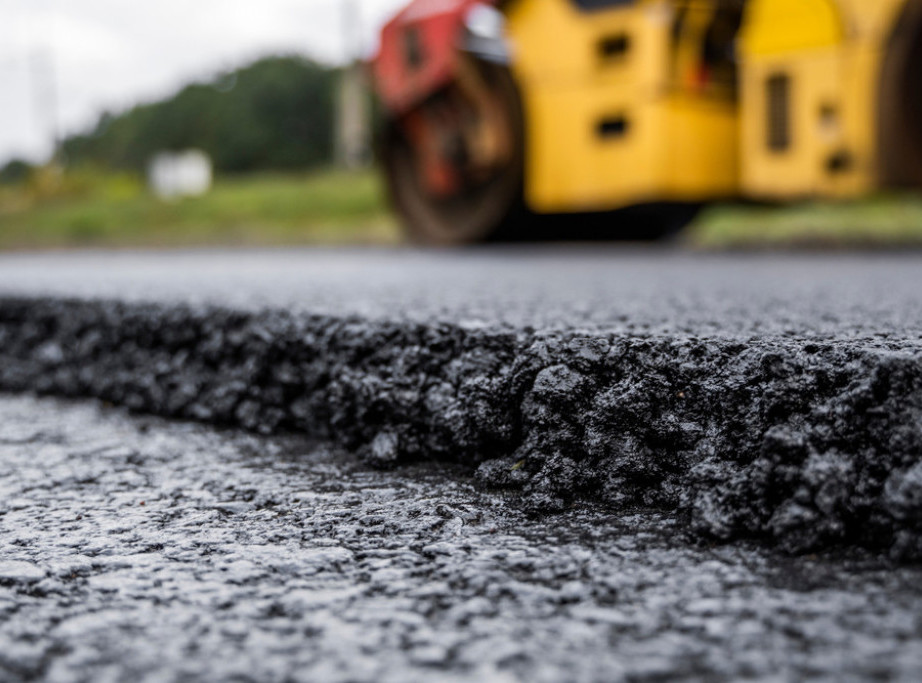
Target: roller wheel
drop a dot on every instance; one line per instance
(488, 207)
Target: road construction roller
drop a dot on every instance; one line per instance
(529, 119)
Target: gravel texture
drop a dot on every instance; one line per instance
(764, 398)
(135, 549)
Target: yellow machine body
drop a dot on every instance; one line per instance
(646, 101)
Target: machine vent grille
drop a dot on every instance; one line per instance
(779, 112)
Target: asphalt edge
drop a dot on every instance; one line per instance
(803, 444)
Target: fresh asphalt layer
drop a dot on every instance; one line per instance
(133, 549)
(533, 464)
(594, 289)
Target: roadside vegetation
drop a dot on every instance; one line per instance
(275, 114)
(881, 222)
(268, 129)
(94, 209)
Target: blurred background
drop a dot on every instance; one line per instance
(94, 92)
(211, 122)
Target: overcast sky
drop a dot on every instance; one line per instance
(110, 54)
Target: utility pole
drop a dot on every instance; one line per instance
(353, 124)
(45, 98)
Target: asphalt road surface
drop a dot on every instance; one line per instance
(134, 549)
(496, 465)
(598, 288)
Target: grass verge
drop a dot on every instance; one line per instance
(883, 221)
(116, 211)
(93, 209)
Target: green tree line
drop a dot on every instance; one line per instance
(274, 114)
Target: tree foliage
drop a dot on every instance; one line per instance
(15, 171)
(275, 114)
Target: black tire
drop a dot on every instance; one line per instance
(491, 210)
(900, 133)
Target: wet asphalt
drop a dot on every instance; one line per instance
(137, 549)
(567, 464)
(631, 290)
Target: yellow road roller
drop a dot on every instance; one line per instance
(527, 119)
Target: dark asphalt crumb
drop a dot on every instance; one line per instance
(802, 443)
(279, 559)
